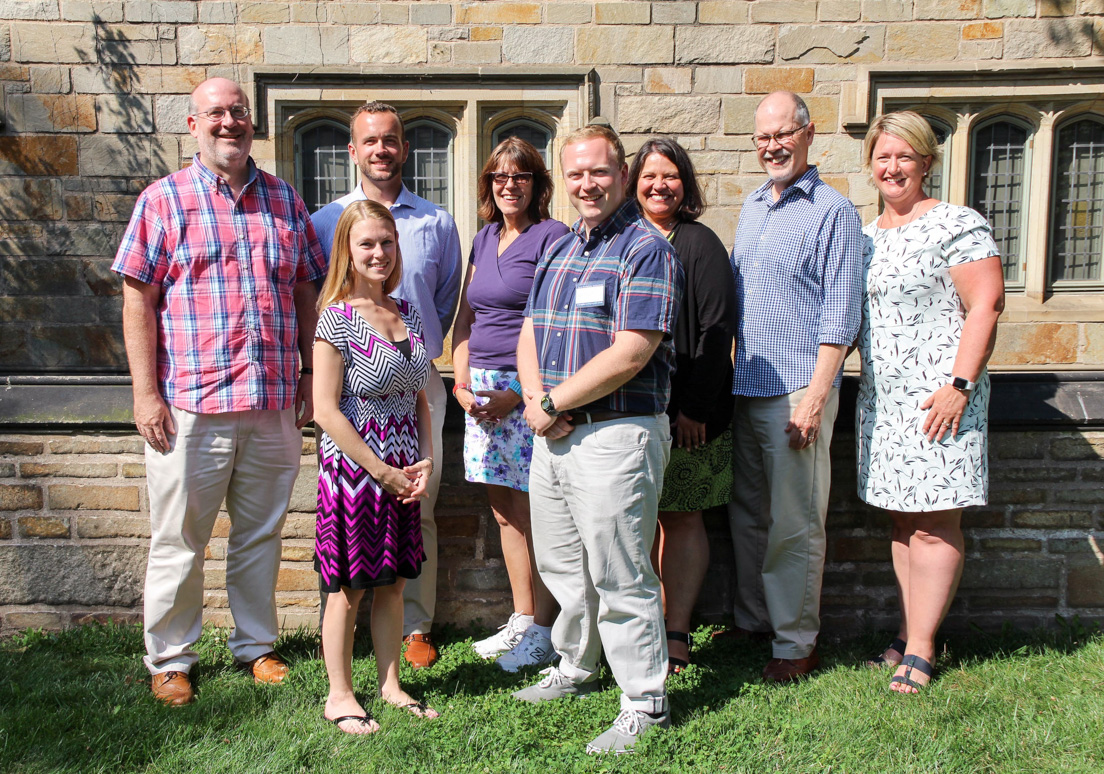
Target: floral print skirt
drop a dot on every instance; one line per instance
(497, 453)
(700, 478)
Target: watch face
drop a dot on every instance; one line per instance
(548, 406)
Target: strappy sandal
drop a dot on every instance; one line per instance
(898, 645)
(418, 709)
(675, 666)
(364, 720)
(920, 665)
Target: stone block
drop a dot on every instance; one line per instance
(50, 80)
(1093, 496)
(21, 448)
(137, 80)
(53, 574)
(624, 45)
(1000, 9)
(292, 553)
(38, 155)
(1087, 7)
(538, 45)
(720, 45)
(926, 41)
(667, 80)
(476, 53)
(734, 189)
(34, 10)
(764, 80)
(293, 579)
(5, 529)
(981, 49)
(303, 44)
(170, 113)
(97, 445)
(485, 33)
(830, 44)
(68, 469)
(20, 497)
(1018, 446)
(91, 497)
(1027, 573)
(298, 527)
(394, 13)
(112, 526)
(134, 470)
(161, 11)
(783, 12)
(440, 53)
(668, 114)
(498, 13)
(264, 13)
(7, 470)
(483, 579)
(1015, 545)
(308, 13)
(464, 525)
(217, 12)
(51, 113)
(671, 13)
(9, 72)
(5, 44)
(1057, 7)
(1036, 343)
(1052, 519)
(622, 13)
(387, 45)
(206, 44)
(947, 9)
(1028, 39)
(104, 11)
(718, 79)
(124, 113)
(840, 10)
(43, 527)
(1077, 447)
(859, 549)
(35, 620)
(304, 495)
(1018, 496)
(354, 13)
(722, 12)
(1085, 582)
(130, 156)
(1035, 474)
(887, 10)
(738, 115)
(982, 31)
(113, 207)
(427, 13)
(557, 12)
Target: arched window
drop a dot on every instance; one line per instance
(998, 184)
(326, 172)
(535, 134)
(1077, 200)
(428, 168)
(936, 183)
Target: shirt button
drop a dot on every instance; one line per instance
(586, 254)
(565, 306)
(558, 335)
(553, 362)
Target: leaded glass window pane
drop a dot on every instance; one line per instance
(1077, 224)
(935, 182)
(426, 171)
(997, 188)
(534, 134)
(326, 166)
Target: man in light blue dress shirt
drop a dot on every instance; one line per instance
(431, 258)
(798, 268)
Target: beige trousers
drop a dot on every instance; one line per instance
(777, 515)
(249, 459)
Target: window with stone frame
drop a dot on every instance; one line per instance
(325, 171)
(999, 181)
(1077, 203)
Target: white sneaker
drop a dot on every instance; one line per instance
(554, 685)
(621, 737)
(507, 636)
(535, 649)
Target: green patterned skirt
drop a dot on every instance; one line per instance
(700, 478)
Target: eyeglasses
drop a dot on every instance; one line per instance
(521, 178)
(782, 138)
(238, 113)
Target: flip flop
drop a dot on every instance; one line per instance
(898, 645)
(676, 665)
(362, 719)
(418, 709)
(920, 665)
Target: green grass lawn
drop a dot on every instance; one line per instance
(78, 701)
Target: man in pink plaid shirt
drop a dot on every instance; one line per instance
(218, 265)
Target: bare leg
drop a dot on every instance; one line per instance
(902, 531)
(337, 640)
(387, 629)
(531, 597)
(935, 555)
(683, 561)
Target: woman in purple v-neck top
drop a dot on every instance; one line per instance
(515, 189)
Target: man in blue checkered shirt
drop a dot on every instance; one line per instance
(798, 267)
(595, 358)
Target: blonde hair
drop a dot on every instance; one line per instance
(589, 132)
(906, 125)
(339, 279)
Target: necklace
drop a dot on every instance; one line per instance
(913, 215)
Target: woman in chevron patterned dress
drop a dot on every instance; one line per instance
(376, 455)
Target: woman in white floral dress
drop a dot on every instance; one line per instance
(934, 289)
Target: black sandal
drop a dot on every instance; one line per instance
(920, 665)
(362, 719)
(676, 665)
(898, 645)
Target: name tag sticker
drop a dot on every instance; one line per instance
(590, 295)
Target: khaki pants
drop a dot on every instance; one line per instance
(777, 515)
(594, 498)
(249, 459)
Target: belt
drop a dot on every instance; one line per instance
(590, 417)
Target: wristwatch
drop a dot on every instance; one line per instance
(548, 406)
(963, 385)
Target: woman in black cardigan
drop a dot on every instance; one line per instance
(699, 475)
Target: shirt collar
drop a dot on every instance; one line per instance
(623, 215)
(211, 180)
(406, 197)
(809, 178)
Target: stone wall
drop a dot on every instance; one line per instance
(74, 531)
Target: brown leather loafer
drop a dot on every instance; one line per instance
(268, 668)
(784, 670)
(172, 688)
(420, 650)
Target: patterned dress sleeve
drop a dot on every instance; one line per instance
(411, 318)
(331, 328)
(971, 238)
